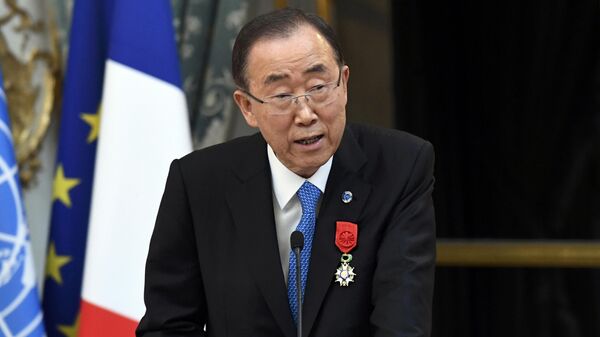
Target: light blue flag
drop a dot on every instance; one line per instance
(20, 312)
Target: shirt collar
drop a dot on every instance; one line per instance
(286, 183)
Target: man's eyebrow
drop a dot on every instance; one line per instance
(274, 78)
(317, 68)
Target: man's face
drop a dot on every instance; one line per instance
(306, 134)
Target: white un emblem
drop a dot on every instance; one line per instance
(20, 313)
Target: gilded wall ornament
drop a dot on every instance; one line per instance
(31, 66)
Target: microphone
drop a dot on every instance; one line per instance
(297, 243)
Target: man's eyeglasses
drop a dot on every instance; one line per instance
(317, 96)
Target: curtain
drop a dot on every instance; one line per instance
(508, 92)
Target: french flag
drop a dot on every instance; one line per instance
(144, 126)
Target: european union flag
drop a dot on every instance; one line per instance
(73, 180)
(20, 313)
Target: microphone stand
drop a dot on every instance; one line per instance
(297, 243)
(298, 291)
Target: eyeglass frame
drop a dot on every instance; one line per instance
(295, 98)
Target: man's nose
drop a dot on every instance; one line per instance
(305, 114)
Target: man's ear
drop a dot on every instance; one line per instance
(245, 105)
(345, 76)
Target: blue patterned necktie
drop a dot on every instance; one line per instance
(309, 196)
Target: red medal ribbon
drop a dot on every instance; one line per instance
(346, 236)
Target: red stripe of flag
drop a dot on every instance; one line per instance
(99, 322)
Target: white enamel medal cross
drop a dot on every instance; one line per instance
(345, 274)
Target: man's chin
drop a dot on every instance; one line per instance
(307, 169)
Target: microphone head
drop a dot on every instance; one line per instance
(297, 240)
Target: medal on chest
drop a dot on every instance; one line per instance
(346, 237)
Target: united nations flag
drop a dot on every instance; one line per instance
(20, 313)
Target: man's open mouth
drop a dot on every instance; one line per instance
(310, 140)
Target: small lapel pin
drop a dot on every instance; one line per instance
(346, 197)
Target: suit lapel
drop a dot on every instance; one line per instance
(325, 256)
(251, 205)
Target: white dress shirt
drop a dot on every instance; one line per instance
(286, 205)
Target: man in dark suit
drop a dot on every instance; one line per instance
(220, 253)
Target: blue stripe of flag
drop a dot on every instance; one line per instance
(130, 46)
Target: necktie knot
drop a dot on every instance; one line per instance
(309, 196)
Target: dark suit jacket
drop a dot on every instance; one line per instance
(214, 257)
